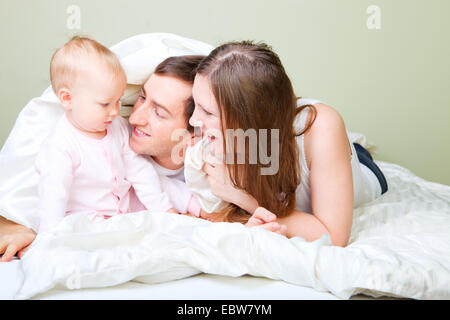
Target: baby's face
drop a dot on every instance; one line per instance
(96, 99)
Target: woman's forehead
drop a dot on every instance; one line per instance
(203, 94)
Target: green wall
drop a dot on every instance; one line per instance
(392, 84)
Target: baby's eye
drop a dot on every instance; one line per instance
(105, 104)
(142, 97)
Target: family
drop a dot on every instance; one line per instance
(95, 162)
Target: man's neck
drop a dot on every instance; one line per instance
(167, 163)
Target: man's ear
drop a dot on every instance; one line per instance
(65, 97)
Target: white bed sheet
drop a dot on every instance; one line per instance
(198, 287)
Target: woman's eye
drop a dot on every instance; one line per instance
(207, 113)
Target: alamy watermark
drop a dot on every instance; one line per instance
(374, 19)
(73, 21)
(235, 153)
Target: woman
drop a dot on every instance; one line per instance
(242, 85)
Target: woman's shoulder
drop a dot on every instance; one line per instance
(327, 129)
(327, 117)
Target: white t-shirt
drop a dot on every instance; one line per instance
(365, 184)
(175, 174)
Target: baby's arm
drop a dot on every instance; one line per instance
(146, 182)
(54, 166)
(182, 199)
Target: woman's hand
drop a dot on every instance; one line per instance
(14, 238)
(221, 186)
(267, 220)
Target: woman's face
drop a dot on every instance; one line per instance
(206, 114)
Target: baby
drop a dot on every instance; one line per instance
(86, 165)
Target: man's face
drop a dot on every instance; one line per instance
(158, 112)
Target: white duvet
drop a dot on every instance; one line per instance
(400, 246)
(400, 243)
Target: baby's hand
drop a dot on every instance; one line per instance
(267, 220)
(172, 211)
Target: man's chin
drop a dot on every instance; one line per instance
(138, 146)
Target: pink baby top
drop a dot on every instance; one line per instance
(79, 174)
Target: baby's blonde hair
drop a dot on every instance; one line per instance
(68, 60)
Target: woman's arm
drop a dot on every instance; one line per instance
(304, 225)
(328, 154)
(14, 238)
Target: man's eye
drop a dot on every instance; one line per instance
(155, 111)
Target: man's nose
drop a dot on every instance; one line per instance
(140, 115)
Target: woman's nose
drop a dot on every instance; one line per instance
(194, 120)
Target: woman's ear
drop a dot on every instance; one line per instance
(65, 98)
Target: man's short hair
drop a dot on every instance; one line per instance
(183, 68)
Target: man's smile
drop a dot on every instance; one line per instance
(139, 133)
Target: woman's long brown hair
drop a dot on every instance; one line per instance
(253, 91)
